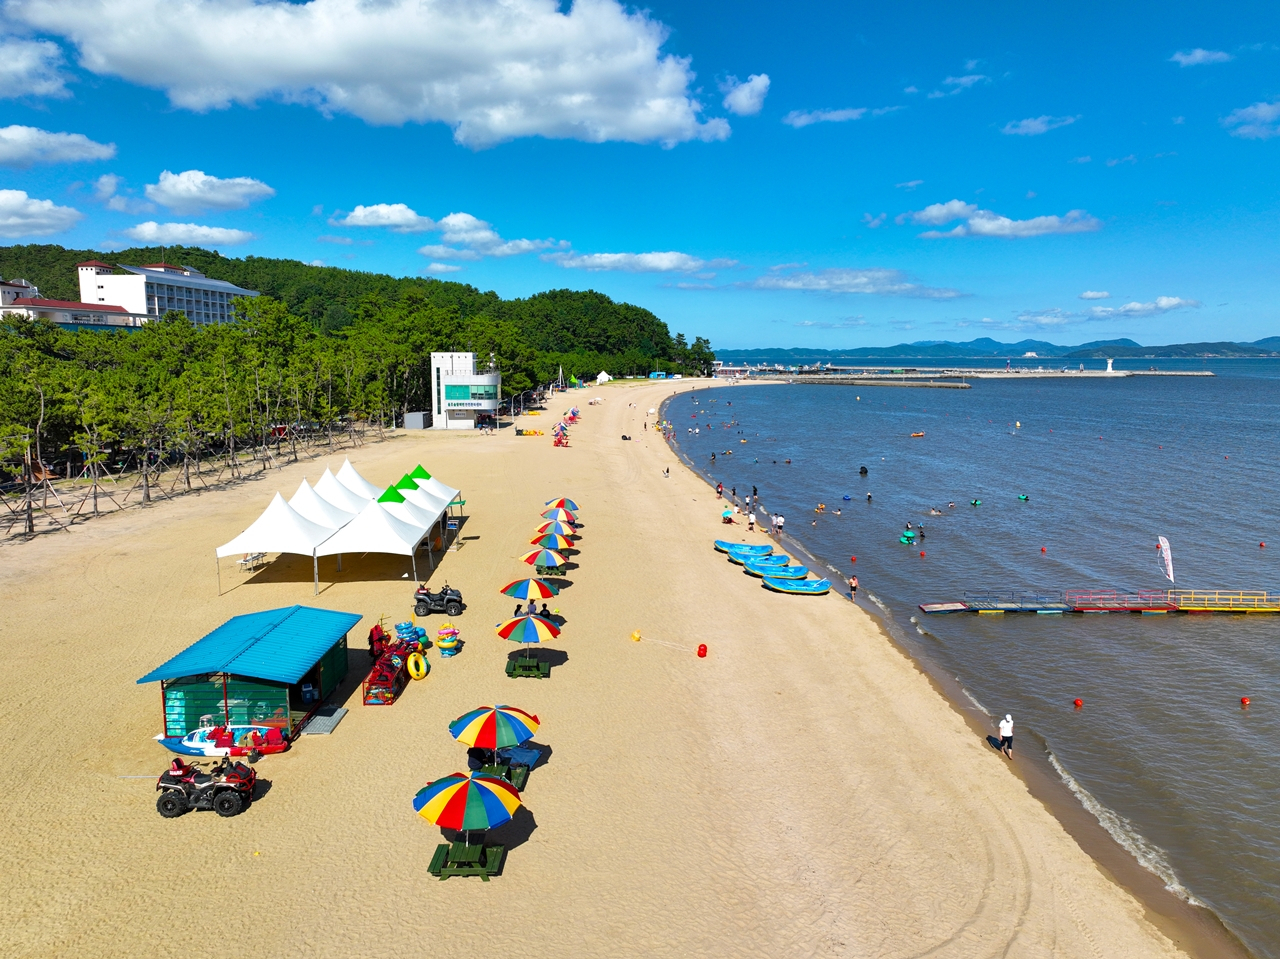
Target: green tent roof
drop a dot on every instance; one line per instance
(392, 495)
(406, 482)
(419, 473)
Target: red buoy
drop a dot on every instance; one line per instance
(702, 650)
(1262, 546)
(1244, 702)
(922, 552)
(853, 559)
(1079, 703)
(1044, 549)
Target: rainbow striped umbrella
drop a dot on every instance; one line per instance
(560, 529)
(493, 727)
(530, 589)
(563, 504)
(528, 629)
(466, 803)
(543, 557)
(560, 515)
(551, 541)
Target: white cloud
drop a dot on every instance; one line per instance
(441, 268)
(472, 239)
(398, 217)
(105, 191)
(22, 146)
(874, 222)
(844, 280)
(193, 191)
(848, 323)
(801, 118)
(492, 70)
(1034, 126)
(1193, 58)
(911, 89)
(21, 215)
(1260, 121)
(186, 233)
(318, 263)
(30, 68)
(664, 262)
(979, 222)
(909, 184)
(1161, 304)
(1116, 161)
(1083, 159)
(1095, 295)
(338, 240)
(964, 83)
(745, 99)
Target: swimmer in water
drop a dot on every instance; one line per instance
(868, 497)
(951, 506)
(837, 510)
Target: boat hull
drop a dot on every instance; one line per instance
(198, 744)
(723, 546)
(777, 572)
(808, 587)
(758, 559)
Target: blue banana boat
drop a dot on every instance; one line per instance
(724, 546)
(806, 587)
(777, 559)
(776, 572)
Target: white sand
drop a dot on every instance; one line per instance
(801, 791)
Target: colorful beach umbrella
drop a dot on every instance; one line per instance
(563, 504)
(528, 629)
(551, 541)
(494, 727)
(467, 803)
(560, 515)
(560, 529)
(530, 589)
(543, 557)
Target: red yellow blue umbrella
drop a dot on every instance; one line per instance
(528, 629)
(493, 727)
(467, 803)
(561, 529)
(551, 541)
(543, 557)
(530, 589)
(562, 515)
(563, 504)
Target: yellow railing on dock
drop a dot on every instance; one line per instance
(1224, 599)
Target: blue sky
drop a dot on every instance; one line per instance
(825, 175)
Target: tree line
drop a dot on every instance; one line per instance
(171, 393)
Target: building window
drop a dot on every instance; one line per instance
(457, 392)
(485, 392)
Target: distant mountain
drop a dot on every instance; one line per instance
(1234, 350)
(983, 347)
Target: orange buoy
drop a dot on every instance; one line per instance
(1079, 704)
(1244, 702)
(702, 650)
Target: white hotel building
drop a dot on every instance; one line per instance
(157, 288)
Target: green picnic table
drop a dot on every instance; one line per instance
(528, 667)
(463, 859)
(518, 776)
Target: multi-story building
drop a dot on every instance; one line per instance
(11, 290)
(155, 289)
(461, 398)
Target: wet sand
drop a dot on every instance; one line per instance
(803, 790)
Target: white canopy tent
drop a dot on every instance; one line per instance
(353, 481)
(309, 504)
(374, 530)
(330, 490)
(433, 485)
(280, 529)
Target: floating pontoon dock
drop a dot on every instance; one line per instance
(1147, 602)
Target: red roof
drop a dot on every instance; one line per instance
(42, 304)
(107, 266)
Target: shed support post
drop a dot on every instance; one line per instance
(414, 560)
(218, 566)
(315, 574)
(339, 562)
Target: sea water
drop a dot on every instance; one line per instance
(1162, 751)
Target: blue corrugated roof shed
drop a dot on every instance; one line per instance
(277, 644)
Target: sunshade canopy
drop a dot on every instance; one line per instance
(331, 491)
(493, 727)
(280, 645)
(311, 505)
(374, 530)
(280, 529)
(353, 481)
(466, 803)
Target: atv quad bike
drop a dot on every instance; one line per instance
(226, 788)
(447, 601)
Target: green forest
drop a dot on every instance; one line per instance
(322, 346)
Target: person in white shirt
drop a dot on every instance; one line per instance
(1006, 735)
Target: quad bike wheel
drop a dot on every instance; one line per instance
(171, 804)
(228, 803)
(453, 609)
(422, 609)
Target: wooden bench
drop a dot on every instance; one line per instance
(460, 859)
(528, 668)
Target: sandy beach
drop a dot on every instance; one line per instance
(802, 791)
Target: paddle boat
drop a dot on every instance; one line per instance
(777, 559)
(723, 546)
(777, 572)
(226, 741)
(805, 587)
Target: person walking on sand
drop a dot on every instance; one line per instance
(751, 522)
(853, 588)
(1006, 735)
(719, 488)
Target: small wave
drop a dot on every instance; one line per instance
(1150, 856)
(973, 699)
(876, 599)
